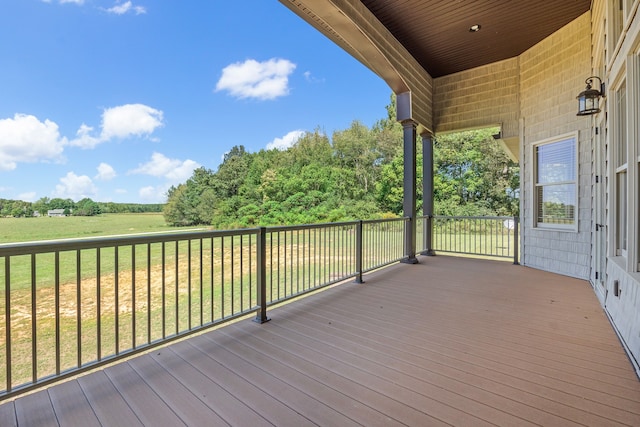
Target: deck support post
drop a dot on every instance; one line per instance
(261, 260)
(359, 252)
(409, 203)
(427, 193)
(516, 240)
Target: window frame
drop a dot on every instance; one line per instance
(621, 169)
(573, 227)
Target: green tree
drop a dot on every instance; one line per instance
(86, 207)
(356, 149)
(41, 205)
(473, 175)
(178, 210)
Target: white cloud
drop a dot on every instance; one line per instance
(75, 187)
(122, 8)
(28, 196)
(105, 172)
(25, 139)
(252, 79)
(173, 170)
(129, 120)
(84, 138)
(311, 79)
(119, 8)
(120, 122)
(153, 194)
(286, 141)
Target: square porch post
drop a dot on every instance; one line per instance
(427, 193)
(409, 199)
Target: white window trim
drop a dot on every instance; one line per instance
(618, 169)
(633, 140)
(572, 228)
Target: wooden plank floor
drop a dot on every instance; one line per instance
(450, 341)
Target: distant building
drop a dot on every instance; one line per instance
(56, 212)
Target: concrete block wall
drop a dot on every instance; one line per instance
(624, 309)
(533, 97)
(478, 98)
(552, 73)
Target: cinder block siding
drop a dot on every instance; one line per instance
(479, 97)
(625, 308)
(551, 75)
(533, 96)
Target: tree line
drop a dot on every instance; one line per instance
(355, 174)
(83, 207)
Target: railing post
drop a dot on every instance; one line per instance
(261, 276)
(359, 252)
(428, 236)
(427, 193)
(409, 187)
(516, 243)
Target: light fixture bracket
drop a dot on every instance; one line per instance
(589, 99)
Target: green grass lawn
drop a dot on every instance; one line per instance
(45, 228)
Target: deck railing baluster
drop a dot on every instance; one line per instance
(133, 296)
(7, 320)
(57, 309)
(34, 333)
(78, 309)
(148, 293)
(294, 261)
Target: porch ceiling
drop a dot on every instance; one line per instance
(436, 33)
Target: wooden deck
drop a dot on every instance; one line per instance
(451, 341)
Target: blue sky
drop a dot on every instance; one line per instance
(118, 100)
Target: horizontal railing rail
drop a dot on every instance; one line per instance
(67, 306)
(491, 236)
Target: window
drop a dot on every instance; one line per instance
(621, 190)
(555, 175)
(617, 21)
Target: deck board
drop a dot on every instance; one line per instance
(8, 415)
(108, 404)
(403, 366)
(311, 402)
(450, 341)
(35, 410)
(262, 402)
(366, 402)
(230, 408)
(71, 405)
(377, 385)
(178, 397)
(142, 399)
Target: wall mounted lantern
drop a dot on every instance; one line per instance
(589, 99)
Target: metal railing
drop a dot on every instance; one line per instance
(479, 236)
(72, 305)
